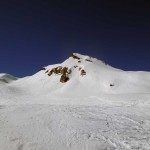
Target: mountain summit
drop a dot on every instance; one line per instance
(76, 64)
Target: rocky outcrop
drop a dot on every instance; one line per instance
(62, 71)
(88, 60)
(56, 70)
(74, 56)
(83, 72)
(64, 78)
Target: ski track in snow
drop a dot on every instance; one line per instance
(109, 126)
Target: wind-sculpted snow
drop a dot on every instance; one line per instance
(98, 108)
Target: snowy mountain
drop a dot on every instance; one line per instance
(80, 104)
(81, 75)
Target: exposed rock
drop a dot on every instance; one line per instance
(63, 71)
(88, 60)
(64, 78)
(83, 72)
(75, 66)
(46, 71)
(56, 70)
(79, 61)
(74, 56)
(50, 73)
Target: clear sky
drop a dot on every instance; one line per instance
(36, 33)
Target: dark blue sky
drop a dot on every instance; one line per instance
(38, 33)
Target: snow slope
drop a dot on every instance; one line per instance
(100, 108)
(99, 78)
(6, 78)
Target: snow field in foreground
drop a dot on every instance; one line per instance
(111, 125)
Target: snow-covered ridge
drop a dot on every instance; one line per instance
(6, 78)
(66, 71)
(83, 75)
(75, 63)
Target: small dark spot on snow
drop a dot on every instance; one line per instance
(75, 66)
(112, 85)
(74, 56)
(88, 60)
(83, 72)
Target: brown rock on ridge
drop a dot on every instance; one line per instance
(56, 70)
(83, 72)
(64, 78)
(46, 71)
(63, 71)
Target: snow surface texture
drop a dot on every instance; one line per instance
(102, 109)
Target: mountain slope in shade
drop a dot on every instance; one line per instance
(6, 78)
(83, 75)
